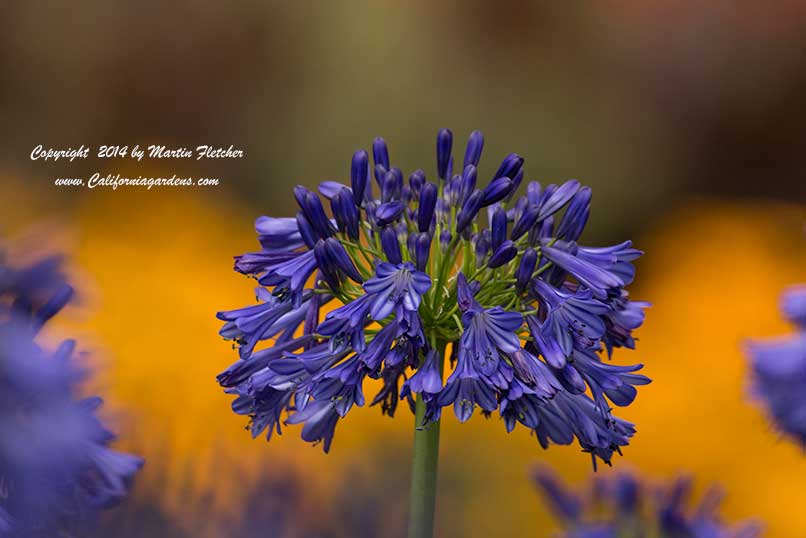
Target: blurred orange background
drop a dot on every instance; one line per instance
(683, 117)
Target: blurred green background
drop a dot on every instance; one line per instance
(685, 117)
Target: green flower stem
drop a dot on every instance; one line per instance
(422, 500)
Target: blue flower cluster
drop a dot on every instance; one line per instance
(779, 369)
(56, 467)
(416, 275)
(622, 505)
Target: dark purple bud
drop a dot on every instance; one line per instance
(526, 268)
(398, 175)
(428, 202)
(416, 180)
(482, 247)
(498, 227)
(342, 260)
(389, 212)
(391, 245)
(576, 216)
(443, 212)
(547, 228)
(510, 166)
(388, 187)
(452, 191)
(300, 193)
(422, 249)
(402, 230)
(371, 208)
(411, 245)
(326, 265)
(380, 152)
(406, 194)
(525, 223)
(306, 230)
(469, 211)
(444, 240)
(514, 213)
(533, 192)
(491, 211)
(444, 145)
(359, 175)
(475, 143)
(469, 177)
(380, 172)
(542, 230)
(546, 194)
(316, 215)
(346, 213)
(516, 183)
(505, 253)
(555, 199)
(496, 191)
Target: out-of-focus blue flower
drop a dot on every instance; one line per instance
(526, 311)
(56, 467)
(779, 370)
(793, 305)
(624, 506)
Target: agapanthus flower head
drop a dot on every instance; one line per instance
(56, 467)
(624, 505)
(779, 369)
(429, 267)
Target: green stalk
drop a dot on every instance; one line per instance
(423, 496)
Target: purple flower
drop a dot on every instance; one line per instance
(395, 287)
(624, 317)
(793, 305)
(487, 331)
(288, 277)
(779, 371)
(591, 275)
(466, 388)
(573, 318)
(319, 419)
(427, 378)
(270, 317)
(57, 469)
(527, 311)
